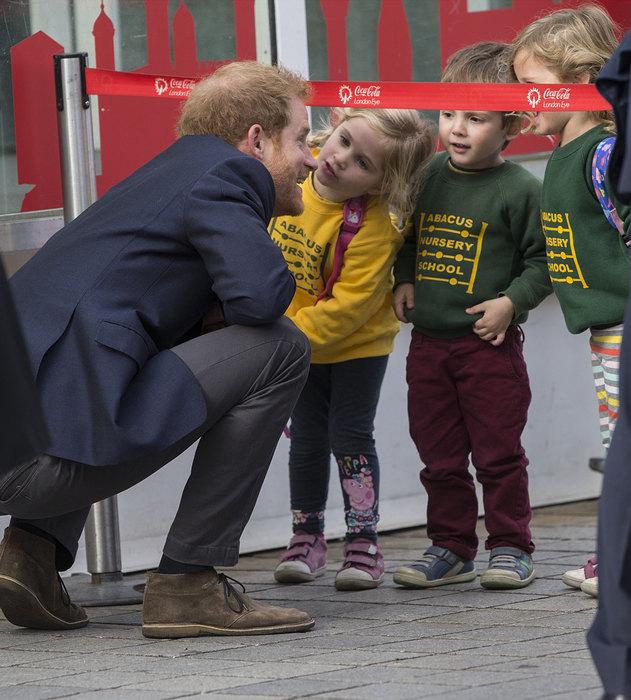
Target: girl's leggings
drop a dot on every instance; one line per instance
(335, 413)
(605, 346)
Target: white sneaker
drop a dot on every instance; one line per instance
(575, 577)
(590, 586)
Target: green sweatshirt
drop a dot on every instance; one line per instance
(475, 236)
(587, 260)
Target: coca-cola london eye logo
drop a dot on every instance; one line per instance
(360, 95)
(533, 97)
(551, 98)
(173, 87)
(161, 86)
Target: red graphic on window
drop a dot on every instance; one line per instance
(132, 129)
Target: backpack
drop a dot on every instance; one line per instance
(354, 211)
(600, 161)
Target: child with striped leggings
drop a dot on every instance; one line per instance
(588, 260)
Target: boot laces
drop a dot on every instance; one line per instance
(230, 593)
(65, 596)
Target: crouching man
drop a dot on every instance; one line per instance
(111, 309)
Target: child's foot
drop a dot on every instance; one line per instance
(590, 586)
(509, 567)
(575, 577)
(437, 567)
(304, 560)
(363, 566)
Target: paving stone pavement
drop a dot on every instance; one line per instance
(459, 641)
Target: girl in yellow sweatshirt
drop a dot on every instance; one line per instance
(372, 161)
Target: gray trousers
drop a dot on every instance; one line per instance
(251, 378)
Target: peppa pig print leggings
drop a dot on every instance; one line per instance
(335, 414)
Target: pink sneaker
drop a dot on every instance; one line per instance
(576, 577)
(304, 560)
(363, 566)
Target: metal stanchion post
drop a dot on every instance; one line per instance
(105, 585)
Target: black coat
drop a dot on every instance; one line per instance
(610, 635)
(614, 83)
(22, 432)
(103, 301)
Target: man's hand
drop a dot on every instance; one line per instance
(496, 317)
(403, 299)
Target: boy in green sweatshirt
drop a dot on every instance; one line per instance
(472, 267)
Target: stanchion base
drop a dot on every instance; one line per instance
(127, 591)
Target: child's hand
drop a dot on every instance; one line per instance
(496, 317)
(403, 299)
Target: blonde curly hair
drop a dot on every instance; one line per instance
(571, 42)
(410, 144)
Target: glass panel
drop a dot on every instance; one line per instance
(350, 40)
(171, 37)
(483, 5)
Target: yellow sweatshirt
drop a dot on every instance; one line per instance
(357, 320)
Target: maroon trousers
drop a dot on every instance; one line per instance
(467, 397)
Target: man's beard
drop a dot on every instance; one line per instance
(288, 198)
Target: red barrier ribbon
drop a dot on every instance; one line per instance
(471, 96)
(111, 82)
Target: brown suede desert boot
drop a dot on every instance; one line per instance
(205, 603)
(32, 593)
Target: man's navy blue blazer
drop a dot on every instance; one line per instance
(128, 279)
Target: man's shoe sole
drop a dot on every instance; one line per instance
(411, 579)
(23, 608)
(157, 631)
(499, 582)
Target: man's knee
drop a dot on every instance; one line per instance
(288, 332)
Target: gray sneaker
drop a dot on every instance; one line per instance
(437, 567)
(509, 567)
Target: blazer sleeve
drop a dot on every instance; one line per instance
(226, 215)
(22, 430)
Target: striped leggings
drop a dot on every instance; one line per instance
(605, 346)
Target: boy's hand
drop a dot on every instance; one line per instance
(403, 299)
(496, 317)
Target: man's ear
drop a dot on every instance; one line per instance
(254, 142)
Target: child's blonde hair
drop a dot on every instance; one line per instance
(410, 144)
(484, 62)
(571, 42)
